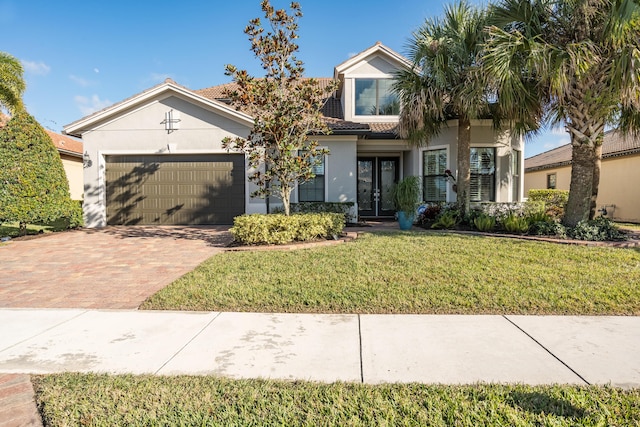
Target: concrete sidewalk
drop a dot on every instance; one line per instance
(327, 348)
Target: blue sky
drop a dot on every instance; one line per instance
(82, 56)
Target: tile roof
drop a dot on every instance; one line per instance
(66, 144)
(613, 145)
(331, 110)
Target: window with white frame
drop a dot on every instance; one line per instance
(515, 173)
(313, 190)
(374, 97)
(434, 180)
(483, 175)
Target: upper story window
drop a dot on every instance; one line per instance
(374, 97)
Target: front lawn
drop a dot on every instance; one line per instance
(102, 400)
(415, 272)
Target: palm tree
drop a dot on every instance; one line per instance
(582, 58)
(11, 82)
(446, 82)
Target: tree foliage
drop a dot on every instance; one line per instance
(285, 107)
(578, 61)
(447, 82)
(12, 83)
(33, 184)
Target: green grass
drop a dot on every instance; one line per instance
(102, 400)
(415, 272)
(629, 225)
(12, 229)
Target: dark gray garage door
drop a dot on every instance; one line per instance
(174, 189)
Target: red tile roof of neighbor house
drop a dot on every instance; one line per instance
(63, 143)
(66, 144)
(613, 145)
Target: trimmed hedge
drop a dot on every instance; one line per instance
(555, 201)
(320, 207)
(279, 229)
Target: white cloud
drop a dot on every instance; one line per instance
(95, 70)
(39, 68)
(80, 81)
(91, 105)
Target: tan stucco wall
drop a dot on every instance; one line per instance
(73, 169)
(619, 180)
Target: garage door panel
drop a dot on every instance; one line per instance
(174, 189)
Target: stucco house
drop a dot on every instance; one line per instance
(618, 192)
(70, 150)
(156, 158)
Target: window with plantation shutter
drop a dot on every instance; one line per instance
(483, 171)
(434, 163)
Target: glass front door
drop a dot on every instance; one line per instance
(376, 177)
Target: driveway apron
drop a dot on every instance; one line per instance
(109, 268)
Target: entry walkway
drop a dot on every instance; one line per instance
(323, 347)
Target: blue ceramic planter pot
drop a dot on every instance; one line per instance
(405, 220)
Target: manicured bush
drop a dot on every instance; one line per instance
(555, 201)
(600, 229)
(33, 185)
(331, 207)
(279, 229)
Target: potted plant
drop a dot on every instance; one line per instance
(406, 198)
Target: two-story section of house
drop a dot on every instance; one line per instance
(157, 157)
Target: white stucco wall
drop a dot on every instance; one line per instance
(483, 135)
(141, 130)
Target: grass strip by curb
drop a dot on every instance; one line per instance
(102, 400)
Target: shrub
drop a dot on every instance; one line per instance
(484, 222)
(428, 212)
(33, 184)
(555, 201)
(500, 211)
(548, 228)
(279, 229)
(515, 224)
(599, 229)
(446, 220)
(330, 207)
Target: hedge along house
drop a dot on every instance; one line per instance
(618, 193)
(156, 158)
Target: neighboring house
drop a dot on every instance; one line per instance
(618, 192)
(70, 150)
(156, 158)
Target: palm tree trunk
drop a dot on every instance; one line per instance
(464, 168)
(596, 180)
(580, 190)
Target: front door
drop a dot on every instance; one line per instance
(376, 177)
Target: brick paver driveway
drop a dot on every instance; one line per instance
(113, 267)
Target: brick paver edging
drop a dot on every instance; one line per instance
(632, 243)
(346, 237)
